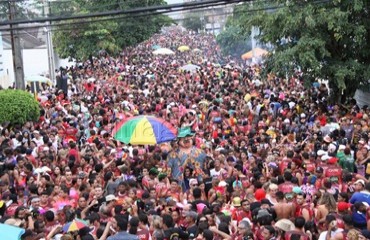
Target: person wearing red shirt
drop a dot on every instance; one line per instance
(70, 132)
(287, 186)
(44, 201)
(242, 212)
(285, 162)
(302, 208)
(319, 173)
(73, 151)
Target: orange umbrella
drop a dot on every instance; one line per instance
(258, 52)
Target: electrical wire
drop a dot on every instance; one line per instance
(120, 12)
(115, 17)
(76, 27)
(124, 17)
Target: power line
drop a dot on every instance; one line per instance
(178, 6)
(74, 28)
(138, 15)
(125, 16)
(121, 17)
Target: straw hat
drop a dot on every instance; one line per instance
(285, 225)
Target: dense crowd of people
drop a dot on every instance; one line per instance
(272, 158)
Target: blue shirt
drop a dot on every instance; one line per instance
(363, 196)
(177, 160)
(123, 236)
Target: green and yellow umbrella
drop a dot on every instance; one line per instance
(144, 130)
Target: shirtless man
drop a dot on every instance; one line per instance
(283, 209)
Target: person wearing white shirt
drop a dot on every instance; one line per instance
(330, 220)
(37, 138)
(217, 170)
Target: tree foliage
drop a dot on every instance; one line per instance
(325, 39)
(193, 21)
(82, 40)
(22, 10)
(18, 107)
(233, 41)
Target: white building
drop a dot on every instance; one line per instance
(34, 52)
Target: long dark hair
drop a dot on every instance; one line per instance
(134, 224)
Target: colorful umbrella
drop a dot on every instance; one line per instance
(75, 225)
(190, 68)
(163, 51)
(37, 78)
(256, 52)
(183, 48)
(143, 130)
(155, 47)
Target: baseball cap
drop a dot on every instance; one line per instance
(325, 157)
(162, 176)
(110, 197)
(361, 182)
(259, 194)
(266, 201)
(342, 206)
(153, 171)
(321, 152)
(193, 181)
(342, 147)
(333, 160)
(319, 170)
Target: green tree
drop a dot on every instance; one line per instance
(326, 39)
(22, 10)
(18, 107)
(82, 40)
(193, 21)
(234, 42)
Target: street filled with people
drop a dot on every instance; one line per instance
(253, 156)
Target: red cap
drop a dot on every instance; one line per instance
(259, 194)
(343, 206)
(332, 160)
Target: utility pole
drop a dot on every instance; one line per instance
(16, 50)
(49, 44)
